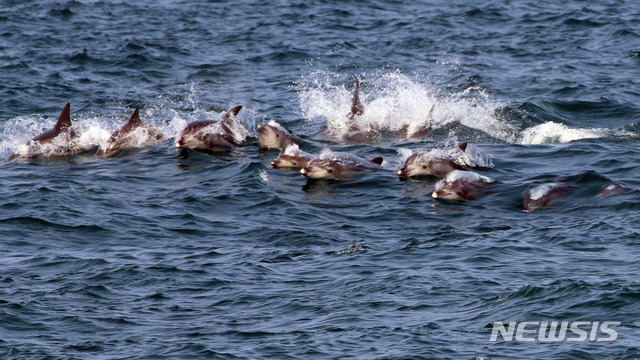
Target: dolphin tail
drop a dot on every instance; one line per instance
(64, 121)
(229, 114)
(430, 115)
(225, 120)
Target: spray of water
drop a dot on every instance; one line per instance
(395, 103)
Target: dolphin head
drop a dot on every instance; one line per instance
(290, 161)
(322, 169)
(448, 191)
(273, 137)
(418, 165)
(411, 167)
(195, 134)
(422, 164)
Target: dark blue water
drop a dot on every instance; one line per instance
(153, 256)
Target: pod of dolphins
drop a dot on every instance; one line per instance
(454, 165)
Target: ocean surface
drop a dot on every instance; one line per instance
(154, 256)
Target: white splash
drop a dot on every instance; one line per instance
(553, 132)
(294, 150)
(467, 176)
(277, 125)
(539, 191)
(395, 103)
(459, 175)
(263, 176)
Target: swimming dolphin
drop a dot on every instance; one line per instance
(545, 194)
(330, 169)
(273, 136)
(434, 163)
(133, 134)
(214, 135)
(461, 186)
(59, 141)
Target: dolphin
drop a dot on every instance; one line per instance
(545, 194)
(330, 169)
(461, 186)
(133, 134)
(438, 164)
(59, 141)
(214, 135)
(273, 136)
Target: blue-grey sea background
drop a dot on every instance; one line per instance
(151, 256)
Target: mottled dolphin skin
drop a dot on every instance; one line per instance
(212, 135)
(274, 136)
(63, 130)
(461, 186)
(330, 169)
(612, 189)
(544, 195)
(426, 164)
(128, 136)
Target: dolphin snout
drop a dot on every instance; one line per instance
(274, 163)
(304, 171)
(435, 195)
(402, 172)
(259, 127)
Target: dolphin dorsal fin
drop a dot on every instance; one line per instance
(356, 105)
(430, 115)
(135, 118)
(463, 146)
(377, 160)
(64, 121)
(230, 113)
